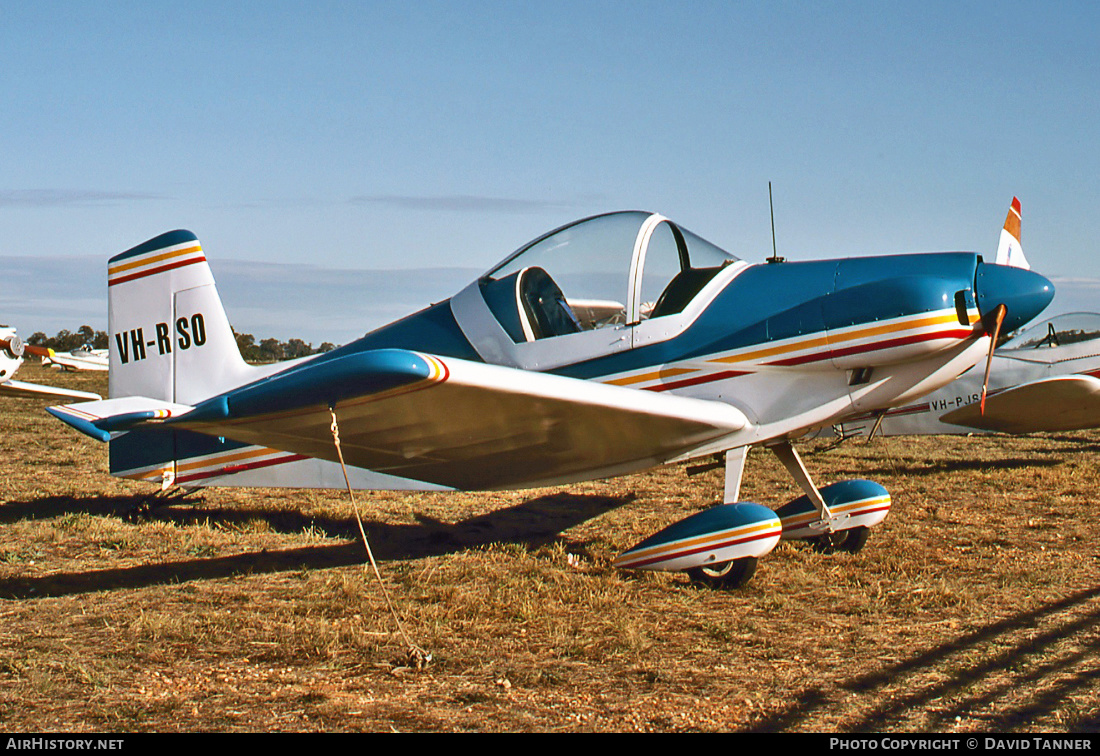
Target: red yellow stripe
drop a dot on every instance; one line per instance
(162, 262)
(687, 547)
(827, 340)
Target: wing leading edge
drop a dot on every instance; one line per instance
(448, 421)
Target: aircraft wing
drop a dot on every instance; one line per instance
(21, 388)
(1062, 403)
(446, 421)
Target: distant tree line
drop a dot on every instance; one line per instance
(66, 341)
(267, 350)
(273, 350)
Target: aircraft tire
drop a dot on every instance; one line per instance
(851, 541)
(856, 540)
(724, 575)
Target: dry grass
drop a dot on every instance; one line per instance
(975, 607)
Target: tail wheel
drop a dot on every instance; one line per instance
(724, 575)
(851, 541)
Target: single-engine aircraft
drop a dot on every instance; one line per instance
(82, 358)
(607, 346)
(12, 349)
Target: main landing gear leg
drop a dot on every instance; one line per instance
(735, 471)
(829, 530)
(790, 459)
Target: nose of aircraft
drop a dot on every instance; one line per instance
(1023, 293)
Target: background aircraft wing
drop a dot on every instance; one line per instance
(69, 362)
(21, 388)
(451, 422)
(1062, 403)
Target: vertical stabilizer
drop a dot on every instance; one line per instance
(170, 337)
(1010, 251)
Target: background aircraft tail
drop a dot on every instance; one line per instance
(170, 337)
(1010, 251)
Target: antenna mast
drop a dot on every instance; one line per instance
(775, 258)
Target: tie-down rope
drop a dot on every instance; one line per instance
(418, 657)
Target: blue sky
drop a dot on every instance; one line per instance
(356, 136)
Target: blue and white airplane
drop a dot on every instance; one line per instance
(608, 346)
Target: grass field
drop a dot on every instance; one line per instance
(975, 606)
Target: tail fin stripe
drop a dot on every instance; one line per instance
(176, 239)
(154, 271)
(114, 269)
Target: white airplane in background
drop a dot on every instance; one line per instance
(607, 346)
(12, 350)
(84, 358)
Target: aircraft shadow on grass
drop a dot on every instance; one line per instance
(974, 672)
(532, 523)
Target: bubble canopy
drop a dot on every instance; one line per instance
(606, 270)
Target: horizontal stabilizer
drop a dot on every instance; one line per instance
(1063, 403)
(457, 423)
(102, 418)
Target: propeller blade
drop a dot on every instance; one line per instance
(998, 318)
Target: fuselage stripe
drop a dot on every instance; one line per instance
(697, 380)
(230, 469)
(834, 337)
(665, 373)
(828, 340)
(215, 464)
(220, 459)
(874, 347)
